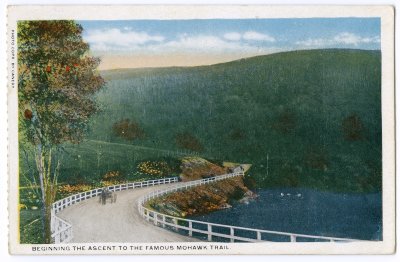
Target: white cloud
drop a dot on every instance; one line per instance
(203, 43)
(253, 35)
(344, 38)
(249, 35)
(353, 39)
(347, 38)
(182, 44)
(114, 38)
(126, 40)
(313, 42)
(233, 36)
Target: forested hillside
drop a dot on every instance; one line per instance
(315, 113)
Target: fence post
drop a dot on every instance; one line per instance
(163, 221)
(71, 234)
(175, 221)
(147, 215)
(190, 228)
(52, 222)
(209, 230)
(155, 216)
(57, 239)
(258, 235)
(292, 238)
(232, 234)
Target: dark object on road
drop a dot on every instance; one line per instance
(106, 193)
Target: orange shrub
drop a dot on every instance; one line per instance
(65, 190)
(108, 183)
(112, 175)
(155, 168)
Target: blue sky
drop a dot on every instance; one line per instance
(230, 37)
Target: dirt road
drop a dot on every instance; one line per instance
(117, 222)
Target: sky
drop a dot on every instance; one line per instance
(161, 43)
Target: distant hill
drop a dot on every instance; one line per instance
(316, 113)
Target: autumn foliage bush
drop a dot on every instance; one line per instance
(128, 129)
(188, 141)
(112, 175)
(67, 190)
(155, 168)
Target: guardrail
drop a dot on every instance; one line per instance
(62, 231)
(231, 233)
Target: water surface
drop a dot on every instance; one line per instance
(306, 211)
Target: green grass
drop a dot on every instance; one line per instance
(30, 227)
(89, 161)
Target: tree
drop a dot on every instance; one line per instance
(128, 129)
(353, 128)
(57, 78)
(188, 141)
(286, 122)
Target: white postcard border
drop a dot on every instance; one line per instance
(108, 12)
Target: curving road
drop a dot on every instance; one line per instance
(117, 222)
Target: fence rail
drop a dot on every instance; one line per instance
(62, 231)
(231, 233)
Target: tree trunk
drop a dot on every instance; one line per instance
(48, 187)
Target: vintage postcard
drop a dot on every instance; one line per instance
(201, 129)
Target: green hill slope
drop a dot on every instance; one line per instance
(315, 113)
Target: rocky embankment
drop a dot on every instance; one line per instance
(205, 198)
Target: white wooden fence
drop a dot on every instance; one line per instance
(232, 233)
(62, 231)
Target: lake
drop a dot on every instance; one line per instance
(305, 211)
